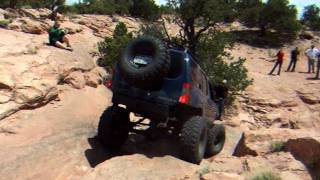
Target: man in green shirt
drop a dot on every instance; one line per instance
(57, 37)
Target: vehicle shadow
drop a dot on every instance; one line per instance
(312, 78)
(136, 144)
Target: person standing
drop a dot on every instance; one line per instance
(294, 58)
(279, 62)
(221, 93)
(312, 55)
(318, 66)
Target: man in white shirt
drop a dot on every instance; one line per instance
(312, 56)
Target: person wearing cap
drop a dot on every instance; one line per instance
(221, 93)
(311, 55)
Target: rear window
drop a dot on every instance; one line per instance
(176, 64)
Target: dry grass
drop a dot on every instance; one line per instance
(265, 175)
(276, 146)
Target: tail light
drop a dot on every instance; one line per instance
(108, 83)
(184, 98)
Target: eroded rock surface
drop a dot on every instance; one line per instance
(51, 100)
(30, 71)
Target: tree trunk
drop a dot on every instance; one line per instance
(54, 9)
(263, 31)
(189, 30)
(13, 3)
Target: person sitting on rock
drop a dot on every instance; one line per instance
(57, 37)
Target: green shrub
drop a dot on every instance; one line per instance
(266, 175)
(261, 14)
(152, 29)
(219, 65)
(311, 17)
(110, 48)
(4, 23)
(276, 146)
(71, 15)
(203, 170)
(146, 9)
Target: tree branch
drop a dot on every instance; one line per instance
(209, 25)
(165, 29)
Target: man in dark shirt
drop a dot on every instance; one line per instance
(318, 66)
(221, 93)
(294, 58)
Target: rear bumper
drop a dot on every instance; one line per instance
(148, 109)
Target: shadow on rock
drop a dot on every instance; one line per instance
(136, 144)
(97, 154)
(255, 39)
(307, 151)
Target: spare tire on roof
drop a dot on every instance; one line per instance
(145, 62)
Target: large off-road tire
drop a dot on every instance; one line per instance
(216, 140)
(157, 59)
(114, 127)
(194, 139)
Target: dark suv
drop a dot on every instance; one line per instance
(166, 86)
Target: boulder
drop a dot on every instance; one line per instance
(279, 164)
(41, 13)
(222, 175)
(234, 141)
(28, 25)
(33, 27)
(15, 26)
(241, 149)
(92, 79)
(72, 28)
(10, 13)
(31, 13)
(5, 96)
(76, 79)
(30, 72)
(275, 116)
(44, 13)
(307, 151)
(31, 97)
(7, 81)
(309, 96)
(27, 95)
(2, 14)
(306, 35)
(102, 73)
(158, 168)
(224, 164)
(8, 108)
